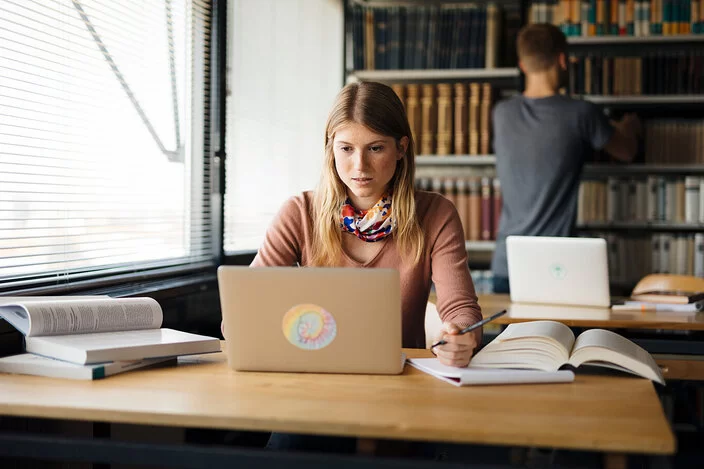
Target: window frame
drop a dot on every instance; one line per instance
(188, 275)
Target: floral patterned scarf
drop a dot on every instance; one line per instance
(370, 225)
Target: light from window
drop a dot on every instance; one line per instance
(96, 119)
(285, 68)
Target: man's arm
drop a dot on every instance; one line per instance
(623, 143)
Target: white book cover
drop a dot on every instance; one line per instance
(101, 329)
(652, 189)
(701, 200)
(691, 202)
(699, 255)
(31, 364)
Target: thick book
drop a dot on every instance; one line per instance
(31, 364)
(471, 376)
(549, 346)
(102, 329)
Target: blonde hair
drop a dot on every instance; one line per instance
(539, 46)
(378, 108)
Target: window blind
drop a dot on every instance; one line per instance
(104, 139)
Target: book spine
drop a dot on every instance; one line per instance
(429, 120)
(485, 119)
(486, 203)
(460, 122)
(474, 105)
(413, 111)
(449, 191)
(475, 209)
(699, 255)
(444, 125)
(463, 205)
(498, 202)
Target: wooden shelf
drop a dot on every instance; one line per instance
(589, 169)
(455, 160)
(632, 169)
(433, 74)
(646, 99)
(384, 3)
(688, 38)
(480, 245)
(642, 226)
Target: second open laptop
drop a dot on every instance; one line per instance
(558, 270)
(312, 319)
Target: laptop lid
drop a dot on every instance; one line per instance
(313, 319)
(558, 270)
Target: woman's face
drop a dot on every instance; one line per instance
(366, 162)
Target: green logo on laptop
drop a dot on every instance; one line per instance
(309, 327)
(558, 271)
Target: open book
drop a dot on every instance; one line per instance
(101, 329)
(550, 345)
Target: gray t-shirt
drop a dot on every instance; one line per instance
(541, 145)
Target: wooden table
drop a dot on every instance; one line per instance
(598, 413)
(589, 317)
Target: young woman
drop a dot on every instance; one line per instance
(366, 213)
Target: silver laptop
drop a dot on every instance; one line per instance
(325, 320)
(554, 270)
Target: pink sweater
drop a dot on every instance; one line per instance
(444, 262)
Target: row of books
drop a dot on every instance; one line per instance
(90, 337)
(673, 141)
(451, 36)
(650, 74)
(633, 257)
(449, 118)
(477, 199)
(653, 199)
(621, 17)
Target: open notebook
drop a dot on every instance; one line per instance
(473, 376)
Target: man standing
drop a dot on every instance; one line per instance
(542, 140)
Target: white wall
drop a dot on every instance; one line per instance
(285, 68)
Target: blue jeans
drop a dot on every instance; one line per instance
(501, 285)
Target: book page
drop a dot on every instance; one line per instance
(476, 376)
(87, 315)
(542, 345)
(599, 345)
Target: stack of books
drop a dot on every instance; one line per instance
(666, 293)
(91, 337)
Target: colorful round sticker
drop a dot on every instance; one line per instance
(309, 327)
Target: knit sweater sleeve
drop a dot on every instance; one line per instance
(284, 239)
(456, 298)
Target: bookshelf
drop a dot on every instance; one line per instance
(635, 40)
(400, 76)
(456, 160)
(661, 79)
(651, 100)
(642, 169)
(644, 226)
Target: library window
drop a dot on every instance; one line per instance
(285, 68)
(104, 165)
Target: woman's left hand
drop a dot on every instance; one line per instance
(459, 347)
